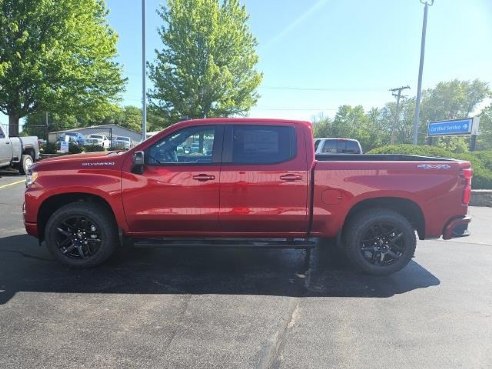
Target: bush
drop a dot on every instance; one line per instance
(481, 160)
(485, 157)
(74, 148)
(48, 148)
(93, 148)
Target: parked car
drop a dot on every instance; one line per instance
(261, 180)
(73, 137)
(98, 139)
(337, 146)
(121, 142)
(18, 152)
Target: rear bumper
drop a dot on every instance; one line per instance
(457, 227)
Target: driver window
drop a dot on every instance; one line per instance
(192, 145)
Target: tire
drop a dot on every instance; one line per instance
(25, 164)
(81, 235)
(379, 241)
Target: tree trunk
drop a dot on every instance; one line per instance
(13, 126)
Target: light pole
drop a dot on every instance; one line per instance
(416, 118)
(144, 100)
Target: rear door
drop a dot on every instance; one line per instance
(179, 189)
(264, 180)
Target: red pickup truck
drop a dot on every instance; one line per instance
(245, 179)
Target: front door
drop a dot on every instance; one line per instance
(179, 189)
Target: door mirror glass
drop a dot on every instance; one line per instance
(138, 162)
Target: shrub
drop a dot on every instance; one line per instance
(48, 148)
(481, 160)
(93, 148)
(74, 148)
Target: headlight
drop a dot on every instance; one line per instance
(31, 177)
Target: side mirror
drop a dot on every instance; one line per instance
(138, 162)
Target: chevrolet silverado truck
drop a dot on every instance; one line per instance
(249, 180)
(18, 152)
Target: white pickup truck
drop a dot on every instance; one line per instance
(18, 152)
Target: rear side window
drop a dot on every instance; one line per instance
(263, 144)
(330, 146)
(351, 147)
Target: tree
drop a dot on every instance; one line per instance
(56, 56)
(404, 129)
(484, 139)
(354, 122)
(206, 67)
(452, 100)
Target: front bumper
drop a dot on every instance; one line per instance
(31, 228)
(457, 227)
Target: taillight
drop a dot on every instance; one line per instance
(467, 175)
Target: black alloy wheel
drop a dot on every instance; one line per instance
(78, 237)
(382, 244)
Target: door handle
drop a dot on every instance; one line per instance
(203, 177)
(291, 177)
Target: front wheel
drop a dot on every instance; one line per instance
(81, 234)
(380, 241)
(25, 164)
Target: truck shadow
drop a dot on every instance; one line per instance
(25, 267)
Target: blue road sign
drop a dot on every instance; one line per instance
(450, 127)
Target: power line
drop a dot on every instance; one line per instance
(296, 109)
(297, 88)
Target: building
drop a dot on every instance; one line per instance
(110, 130)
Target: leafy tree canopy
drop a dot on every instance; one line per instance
(206, 67)
(56, 56)
(448, 100)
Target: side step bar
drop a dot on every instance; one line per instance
(283, 243)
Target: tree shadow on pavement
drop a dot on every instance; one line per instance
(26, 267)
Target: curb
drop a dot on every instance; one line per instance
(481, 198)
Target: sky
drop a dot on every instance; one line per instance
(316, 55)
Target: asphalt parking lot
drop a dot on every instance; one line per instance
(216, 308)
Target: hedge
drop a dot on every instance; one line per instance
(481, 160)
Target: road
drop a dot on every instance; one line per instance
(213, 308)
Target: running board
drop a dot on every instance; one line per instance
(275, 243)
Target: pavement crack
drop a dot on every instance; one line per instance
(182, 312)
(270, 354)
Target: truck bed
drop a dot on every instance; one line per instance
(377, 157)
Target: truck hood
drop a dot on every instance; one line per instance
(96, 160)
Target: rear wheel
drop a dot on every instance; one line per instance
(81, 235)
(380, 241)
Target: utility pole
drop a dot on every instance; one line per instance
(397, 114)
(144, 75)
(416, 119)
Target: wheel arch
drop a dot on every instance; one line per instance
(408, 208)
(29, 151)
(55, 202)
